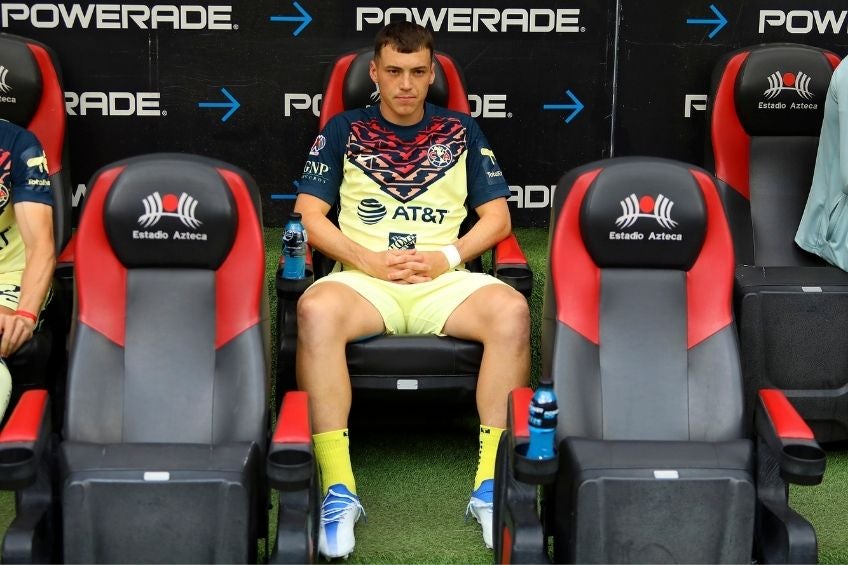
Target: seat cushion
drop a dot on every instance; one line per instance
(155, 503)
(414, 362)
(655, 502)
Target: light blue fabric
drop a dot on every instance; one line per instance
(824, 225)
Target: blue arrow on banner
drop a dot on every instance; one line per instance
(304, 18)
(233, 105)
(719, 22)
(575, 107)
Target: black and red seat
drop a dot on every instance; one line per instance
(33, 98)
(163, 457)
(765, 114)
(655, 461)
(407, 362)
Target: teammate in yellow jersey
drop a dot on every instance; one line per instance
(27, 255)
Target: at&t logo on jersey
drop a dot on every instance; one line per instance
(634, 209)
(370, 211)
(156, 207)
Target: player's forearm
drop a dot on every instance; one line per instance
(490, 229)
(37, 277)
(328, 239)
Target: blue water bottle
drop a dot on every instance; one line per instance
(294, 248)
(543, 422)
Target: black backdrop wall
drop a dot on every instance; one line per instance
(554, 84)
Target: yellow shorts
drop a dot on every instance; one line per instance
(421, 308)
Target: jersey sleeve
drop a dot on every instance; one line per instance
(322, 173)
(30, 173)
(485, 178)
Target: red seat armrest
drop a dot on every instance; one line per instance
(23, 438)
(789, 438)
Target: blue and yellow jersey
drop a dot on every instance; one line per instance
(402, 187)
(24, 177)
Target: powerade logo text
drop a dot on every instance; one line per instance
(473, 20)
(116, 16)
(805, 21)
(145, 104)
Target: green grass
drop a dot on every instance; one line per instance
(414, 469)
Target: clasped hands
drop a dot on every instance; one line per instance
(407, 266)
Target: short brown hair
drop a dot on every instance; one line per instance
(404, 37)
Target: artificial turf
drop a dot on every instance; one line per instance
(414, 466)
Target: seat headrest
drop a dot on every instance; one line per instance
(167, 213)
(20, 82)
(359, 90)
(781, 90)
(650, 216)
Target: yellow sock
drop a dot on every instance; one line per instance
(332, 450)
(489, 438)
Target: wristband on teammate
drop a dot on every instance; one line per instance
(451, 253)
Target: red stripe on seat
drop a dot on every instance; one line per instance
(67, 254)
(786, 421)
(520, 411)
(48, 123)
(333, 100)
(709, 283)
(833, 59)
(240, 278)
(457, 98)
(575, 277)
(508, 251)
(731, 143)
(101, 277)
(25, 421)
(293, 421)
(506, 547)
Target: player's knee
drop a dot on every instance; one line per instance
(315, 311)
(511, 318)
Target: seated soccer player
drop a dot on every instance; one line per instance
(27, 255)
(412, 166)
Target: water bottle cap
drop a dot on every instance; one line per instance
(295, 216)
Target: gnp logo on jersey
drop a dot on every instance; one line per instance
(797, 83)
(157, 207)
(658, 209)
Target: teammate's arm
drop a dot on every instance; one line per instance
(35, 223)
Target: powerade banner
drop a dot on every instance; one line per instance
(553, 84)
(664, 68)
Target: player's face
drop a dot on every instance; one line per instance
(403, 79)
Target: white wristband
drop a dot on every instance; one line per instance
(452, 255)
